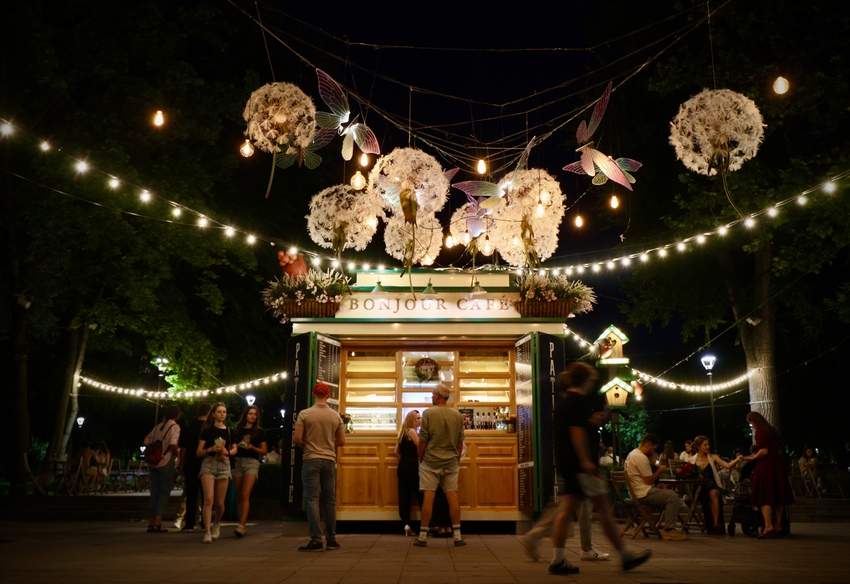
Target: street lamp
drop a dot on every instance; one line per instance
(250, 399)
(80, 421)
(708, 362)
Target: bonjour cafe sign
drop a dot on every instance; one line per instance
(446, 305)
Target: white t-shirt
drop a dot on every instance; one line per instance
(637, 467)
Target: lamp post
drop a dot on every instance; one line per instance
(708, 362)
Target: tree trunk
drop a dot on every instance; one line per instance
(69, 407)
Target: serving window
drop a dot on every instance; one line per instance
(380, 386)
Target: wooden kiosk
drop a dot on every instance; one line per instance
(382, 353)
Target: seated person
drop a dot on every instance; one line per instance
(809, 467)
(642, 479)
(686, 453)
(668, 454)
(607, 459)
(88, 466)
(710, 496)
(104, 458)
(273, 456)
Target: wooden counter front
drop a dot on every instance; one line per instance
(367, 482)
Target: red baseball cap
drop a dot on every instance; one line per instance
(321, 389)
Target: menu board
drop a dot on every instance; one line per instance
(525, 423)
(327, 366)
(297, 388)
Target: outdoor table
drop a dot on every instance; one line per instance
(691, 489)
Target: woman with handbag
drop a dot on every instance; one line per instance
(215, 447)
(161, 465)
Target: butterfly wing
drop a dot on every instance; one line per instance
(450, 174)
(608, 167)
(365, 138)
(627, 164)
(585, 131)
(347, 146)
(334, 97)
(479, 188)
(574, 167)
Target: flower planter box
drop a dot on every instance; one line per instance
(542, 309)
(309, 309)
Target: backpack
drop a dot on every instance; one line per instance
(155, 450)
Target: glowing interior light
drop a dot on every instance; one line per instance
(364, 159)
(202, 222)
(158, 119)
(579, 221)
(45, 146)
(176, 211)
(487, 248)
(482, 166)
(81, 166)
(114, 182)
(144, 196)
(829, 188)
(372, 222)
(801, 200)
(750, 222)
(246, 149)
(6, 129)
(781, 85)
(450, 241)
(230, 232)
(251, 239)
(615, 202)
(545, 196)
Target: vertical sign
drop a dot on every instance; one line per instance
(525, 423)
(296, 398)
(327, 367)
(550, 360)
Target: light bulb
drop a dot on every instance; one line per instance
(427, 260)
(540, 210)
(615, 202)
(358, 181)
(450, 241)
(45, 146)
(176, 211)
(487, 249)
(482, 166)
(515, 240)
(364, 159)
(144, 196)
(158, 119)
(246, 149)
(544, 196)
(6, 129)
(579, 221)
(114, 182)
(372, 222)
(781, 85)
(230, 232)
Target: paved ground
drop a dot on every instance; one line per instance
(94, 552)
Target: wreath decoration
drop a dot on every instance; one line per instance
(426, 369)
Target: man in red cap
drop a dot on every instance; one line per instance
(319, 431)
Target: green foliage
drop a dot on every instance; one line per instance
(547, 288)
(635, 421)
(315, 285)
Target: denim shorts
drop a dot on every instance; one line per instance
(217, 469)
(429, 478)
(246, 466)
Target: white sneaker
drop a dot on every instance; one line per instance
(594, 555)
(207, 538)
(178, 525)
(216, 530)
(530, 546)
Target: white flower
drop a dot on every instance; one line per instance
(409, 168)
(519, 210)
(280, 117)
(716, 129)
(398, 236)
(340, 212)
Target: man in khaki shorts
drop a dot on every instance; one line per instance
(440, 447)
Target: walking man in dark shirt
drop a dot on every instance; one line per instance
(189, 465)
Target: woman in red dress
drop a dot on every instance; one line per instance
(771, 491)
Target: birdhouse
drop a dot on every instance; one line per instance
(610, 345)
(616, 392)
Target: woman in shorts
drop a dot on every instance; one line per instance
(249, 450)
(215, 446)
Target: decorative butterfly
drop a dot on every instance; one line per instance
(485, 196)
(593, 162)
(307, 156)
(334, 97)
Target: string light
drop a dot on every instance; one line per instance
(482, 167)
(158, 119)
(450, 241)
(114, 183)
(45, 146)
(358, 181)
(364, 159)
(81, 166)
(144, 393)
(615, 202)
(579, 221)
(781, 85)
(144, 196)
(6, 129)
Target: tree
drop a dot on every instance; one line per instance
(766, 275)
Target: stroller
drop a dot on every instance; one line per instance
(747, 514)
